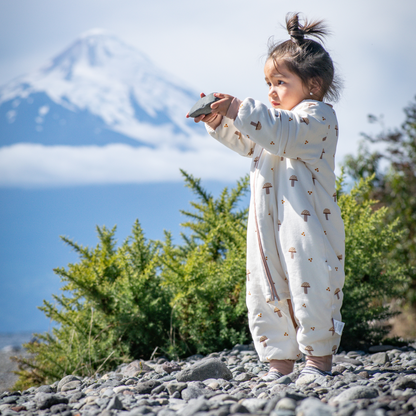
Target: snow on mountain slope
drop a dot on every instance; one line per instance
(104, 84)
(100, 112)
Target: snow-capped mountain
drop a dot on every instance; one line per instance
(96, 92)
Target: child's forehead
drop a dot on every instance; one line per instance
(275, 68)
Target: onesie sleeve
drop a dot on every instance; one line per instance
(227, 134)
(295, 134)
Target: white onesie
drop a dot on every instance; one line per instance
(295, 235)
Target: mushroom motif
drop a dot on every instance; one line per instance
(309, 349)
(313, 179)
(324, 138)
(277, 310)
(305, 286)
(257, 125)
(322, 154)
(336, 130)
(250, 152)
(336, 293)
(335, 197)
(332, 329)
(266, 186)
(292, 252)
(293, 179)
(256, 161)
(248, 275)
(334, 349)
(278, 225)
(238, 134)
(326, 213)
(263, 340)
(281, 158)
(339, 257)
(268, 300)
(304, 120)
(305, 214)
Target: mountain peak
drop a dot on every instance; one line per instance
(95, 32)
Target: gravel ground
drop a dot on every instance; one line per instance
(381, 382)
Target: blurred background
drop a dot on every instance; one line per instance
(93, 97)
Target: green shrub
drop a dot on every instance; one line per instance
(112, 308)
(373, 276)
(120, 304)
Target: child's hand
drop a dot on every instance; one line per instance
(222, 106)
(206, 118)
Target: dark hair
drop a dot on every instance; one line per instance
(307, 58)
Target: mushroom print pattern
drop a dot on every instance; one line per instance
(335, 197)
(309, 349)
(278, 225)
(293, 179)
(263, 340)
(267, 187)
(339, 257)
(306, 286)
(305, 214)
(326, 213)
(322, 154)
(336, 293)
(334, 349)
(292, 252)
(256, 125)
(277, 310)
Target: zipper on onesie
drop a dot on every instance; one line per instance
(263, 257)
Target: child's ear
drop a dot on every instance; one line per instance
(315, 86)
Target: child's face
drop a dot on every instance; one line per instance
(286, 89)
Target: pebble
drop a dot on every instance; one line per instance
(379, 383)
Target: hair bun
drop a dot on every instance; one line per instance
(298, 31)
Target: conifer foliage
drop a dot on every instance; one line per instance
(120, 303)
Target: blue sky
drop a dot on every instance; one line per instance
(214, 46)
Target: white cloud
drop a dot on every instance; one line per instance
(34, 165)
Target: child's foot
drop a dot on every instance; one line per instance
(311, 371)
(272, 375)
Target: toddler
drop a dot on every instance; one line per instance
(295, 235)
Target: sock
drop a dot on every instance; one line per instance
(283, 366)
(323, 363)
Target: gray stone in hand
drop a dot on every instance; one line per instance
(205, 369)
(203, 106)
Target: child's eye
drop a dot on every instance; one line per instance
(280, 82)
(268, 84)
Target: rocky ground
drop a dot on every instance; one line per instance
(382, 382)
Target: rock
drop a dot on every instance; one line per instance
(59, 408)
(380, 348)
(194, 390)
(380, 358)
(353, 393)
(65, 380)
(403, 383)
(171, 367)
(203, 106)
(135, 368)
(305, 380)
(314, 407)
(47, 400)
(147, 386)
(204, 369)
(115, 403)
(283, 380)
(45, 389)
(286, 404)
(243, 377)
(254, 405)
(72, 385)
(194, 406)
(173, 387)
